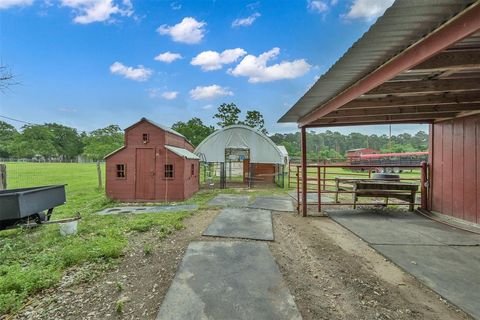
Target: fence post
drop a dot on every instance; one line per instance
(288, 174)
(324, 174)
(99, 173)
(319, 189)
(298, 191)
(3, 176)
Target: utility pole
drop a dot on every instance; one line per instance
(390, 137)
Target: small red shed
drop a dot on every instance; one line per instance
(155, 164)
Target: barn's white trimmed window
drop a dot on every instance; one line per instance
(169, 171)
(121, 172)
(146, 137)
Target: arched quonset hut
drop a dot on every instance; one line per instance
(244, 151)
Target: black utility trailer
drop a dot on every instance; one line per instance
(25, 205)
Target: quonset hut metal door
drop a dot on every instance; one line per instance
(145, 174)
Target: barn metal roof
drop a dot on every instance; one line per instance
(183, 152)
(403, 24)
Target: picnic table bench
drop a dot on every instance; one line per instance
(377, 188)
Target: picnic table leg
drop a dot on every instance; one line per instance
(337, 186)
(411, 207)
(386, 201)
(354, 194)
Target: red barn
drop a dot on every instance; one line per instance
(155, 164)
(355, 154)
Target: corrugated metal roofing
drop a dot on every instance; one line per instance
(183, 152)
(403, 24)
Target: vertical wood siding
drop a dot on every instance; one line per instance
(456, 168)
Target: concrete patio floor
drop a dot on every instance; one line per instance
(444, 258)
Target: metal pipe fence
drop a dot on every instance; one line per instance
(357, 181)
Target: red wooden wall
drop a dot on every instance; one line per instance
(455, 165)
(145, 167)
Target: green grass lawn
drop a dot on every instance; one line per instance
(35, 259)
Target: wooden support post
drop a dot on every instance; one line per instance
(304, 171)
(99, 173)
(3, 176)
(423, 187)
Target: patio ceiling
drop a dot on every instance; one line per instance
(435, 78)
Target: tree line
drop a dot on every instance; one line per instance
(56, 141)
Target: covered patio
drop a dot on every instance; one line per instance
(419, 63)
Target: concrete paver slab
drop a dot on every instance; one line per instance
(228, 280)
(242, 223)
(148, 209)
(230, 200)
(275, 203)
(450, 271)
(443, 258)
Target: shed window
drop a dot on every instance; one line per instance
(169, 171)
(146, 138)
(193, 169)
(121, 174)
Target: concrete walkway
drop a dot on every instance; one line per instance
(244, 223)
(444, 258)
(230, 279)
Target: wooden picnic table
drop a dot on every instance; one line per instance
(404, 191)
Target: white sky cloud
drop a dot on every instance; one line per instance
(256, 69)
(317, 6)
(188, 31)
(168, 57)
(138, 74)
(5, 4)
(175, 6)
(170, 95)
(207, 106)
(212, 60)
(245, 22)
(209, 92)
(88, 11)
(368, 9)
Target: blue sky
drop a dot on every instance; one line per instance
(90, 63)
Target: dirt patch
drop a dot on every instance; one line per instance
(134, 289)
(335, 275)
(331, 273)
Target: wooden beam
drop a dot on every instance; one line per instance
(361, 112)
(426, 86)
(452, 60)
(434, 99)
(386, 118)
(456, 29)
(320, 125)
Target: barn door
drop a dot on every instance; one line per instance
(145, 174)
